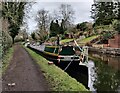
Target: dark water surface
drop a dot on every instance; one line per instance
(105, 73)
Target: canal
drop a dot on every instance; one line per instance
(102, 72)
(105, 72)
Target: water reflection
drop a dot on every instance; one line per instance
(112, 61)
(92, 75)
(107, 72)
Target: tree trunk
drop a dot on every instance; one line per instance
(13, 40)
(58, 40)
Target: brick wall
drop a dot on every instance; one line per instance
(115, 43)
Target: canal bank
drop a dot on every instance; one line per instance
(106, 50)
(104, 73)
(58, 79)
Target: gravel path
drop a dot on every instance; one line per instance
(23, 74)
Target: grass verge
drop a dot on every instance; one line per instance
(57, 78)
(6, 59)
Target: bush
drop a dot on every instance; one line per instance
(6, 41)
(116, 25)
(0, 44)
(52, 39)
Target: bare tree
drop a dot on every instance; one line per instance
(27, 10)
(24, 33)
(43, 19)
(55, 15)
(67, 14)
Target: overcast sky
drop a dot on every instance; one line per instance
(81, 7)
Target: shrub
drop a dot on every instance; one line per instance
(6, 41)
(116, 25)
(52, 39)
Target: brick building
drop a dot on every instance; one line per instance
(115, 43)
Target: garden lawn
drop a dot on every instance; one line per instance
(87, 40)
(66, 40)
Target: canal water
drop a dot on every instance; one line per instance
(103, 73)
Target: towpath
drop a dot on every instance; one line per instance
(23, 74)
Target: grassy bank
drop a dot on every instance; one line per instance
(86, 40)
(66, 40)
(58, 79)
(6, 59)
